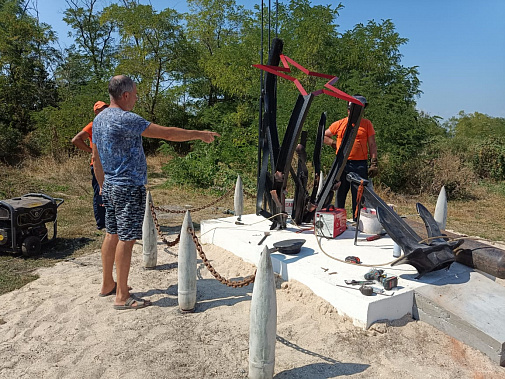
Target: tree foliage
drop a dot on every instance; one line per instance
(194, 70)
(25, 85)
(94, 43)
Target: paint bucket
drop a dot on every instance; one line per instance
(368, 222)
(288, 206)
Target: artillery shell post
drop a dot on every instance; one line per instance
(263, 321)
(187, 267)
(149, 247)
(440, 215)
(238, 199)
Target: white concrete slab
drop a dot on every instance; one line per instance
(470, 308)
(460, 301)
(308, 266)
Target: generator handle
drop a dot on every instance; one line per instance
(61, 201)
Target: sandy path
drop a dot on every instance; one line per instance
(57, 327)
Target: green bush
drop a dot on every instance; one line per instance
(427, 173)
(488, 159)
(10, 140)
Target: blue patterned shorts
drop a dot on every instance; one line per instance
(124, 210)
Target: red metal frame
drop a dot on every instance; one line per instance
(330, 90)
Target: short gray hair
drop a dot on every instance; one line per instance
(119, 85)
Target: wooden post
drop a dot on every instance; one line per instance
(149, 246)
(263, 321)
(187, 267)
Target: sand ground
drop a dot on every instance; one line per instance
(57, 327)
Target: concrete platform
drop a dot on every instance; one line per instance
(440, 298)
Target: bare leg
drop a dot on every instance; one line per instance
(108, 255)
(123, 261)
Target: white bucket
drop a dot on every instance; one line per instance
(368, 222)
(288, 205)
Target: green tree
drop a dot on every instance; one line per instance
(222, 32)
(479, 140)
(94, 43)
(153, 50)
(476, 126)
(25, 84)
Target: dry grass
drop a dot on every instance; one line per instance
(77, 234)
(481, 216)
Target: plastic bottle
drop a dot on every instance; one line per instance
(397, 250)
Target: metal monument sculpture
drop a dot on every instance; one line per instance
(274, 159)
(274, 168)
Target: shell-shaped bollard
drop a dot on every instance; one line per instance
(238, 199)
(187, 267)
(440, 215)
(263, 321)
(321, 182)
(149, 237)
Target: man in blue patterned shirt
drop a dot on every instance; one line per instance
(121, 171)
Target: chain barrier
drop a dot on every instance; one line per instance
(230, 283)
(193, 210)
(158, 229)
(156, 223)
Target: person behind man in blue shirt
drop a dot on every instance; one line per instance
(121, 171)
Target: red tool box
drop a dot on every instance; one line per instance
(330, 222)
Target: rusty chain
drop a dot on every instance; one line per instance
(158, 229)
(156, 223)
(193, 210)
(230, 283)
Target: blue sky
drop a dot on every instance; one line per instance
(458, 45)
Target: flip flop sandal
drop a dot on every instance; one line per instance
(113, 292)
(133, 303)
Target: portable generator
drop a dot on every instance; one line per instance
(24, 222)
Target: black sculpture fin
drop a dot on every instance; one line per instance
(396, 230)
(432, 227)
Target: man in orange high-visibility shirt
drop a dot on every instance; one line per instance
(364, 144)
(80, 141)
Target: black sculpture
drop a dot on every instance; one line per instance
(272, 184)
(435, 254)
(274, 167)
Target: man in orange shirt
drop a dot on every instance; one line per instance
(80, 141)
(364, 144)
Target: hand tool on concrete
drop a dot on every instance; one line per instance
(356, 228)
(372, 238)
(353, 259)
(389, 282)
(365, 290)
(380, 291)
(264, 237)
(358, 282)
(374, 274)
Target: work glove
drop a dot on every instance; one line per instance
(373, 170)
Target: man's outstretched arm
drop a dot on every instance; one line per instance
(174, 134)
